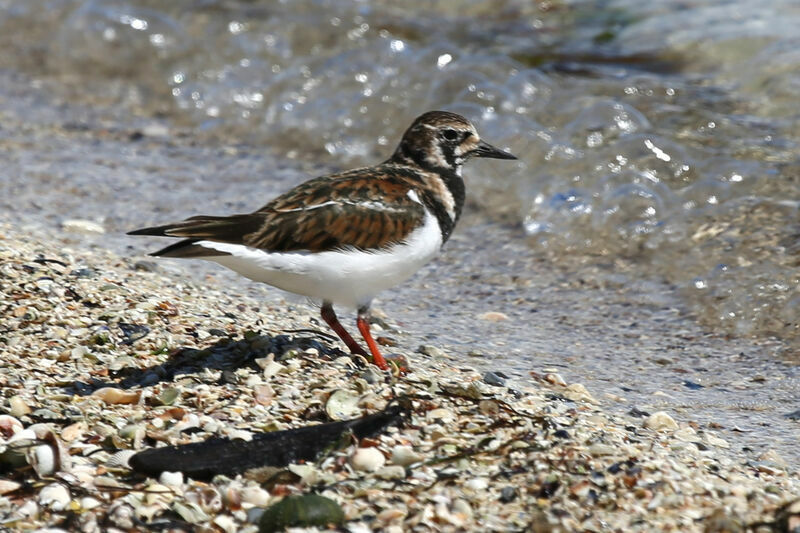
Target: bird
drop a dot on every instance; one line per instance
(343, 238)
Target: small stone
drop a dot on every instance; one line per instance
(371, 376)
(155, 130)
(493, 316)
(86, 227)
(555, 379)
(508, 494)
(600, 450)
(773, 457)
(578, 393)
(723, 521)
(391, 472)
(145, 266)
(660, 421)
(83, 273)
(719, 442)
(493, 379)
(367, 459)
(431, 351)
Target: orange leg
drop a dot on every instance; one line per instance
(363, 327)
(330, 318)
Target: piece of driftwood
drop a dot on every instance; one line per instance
(204, 460)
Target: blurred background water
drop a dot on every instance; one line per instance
(665, 133)
(658, 140)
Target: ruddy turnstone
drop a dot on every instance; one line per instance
(344, 237)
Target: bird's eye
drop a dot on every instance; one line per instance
(450, 135)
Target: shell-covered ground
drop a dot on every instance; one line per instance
(103, 356)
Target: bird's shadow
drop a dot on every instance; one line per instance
(227, 354)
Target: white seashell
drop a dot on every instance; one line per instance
(9, 426)
(28, 509)
(225, 523)
(367, 459)
(578, 393)
(54, 496)
(263, 394)
(18, 406)
(719, 442)
(555, 379)
(120, 459)
(43, 459)
(255, 496)
(191, 420)
(24, 434)
(6, 486)
(86, 227)
(476, 484)
(113, 395)
(308, 473)
(660, 421)
(88, 503)
(158, 494)
(342, 405)
(73, 431)
(171, 479)
(405, 455)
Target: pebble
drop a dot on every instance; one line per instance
(493, 316)
(391, 472)
(367, 459)
(493, 379)
(555, 379)
(508, 494)
(713, 440)
(660, 421)
(432, 351)
(86, 227)
(578, 393)
(371, 376)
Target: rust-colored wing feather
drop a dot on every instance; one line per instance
(362, 209)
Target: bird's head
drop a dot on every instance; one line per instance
(440, 140)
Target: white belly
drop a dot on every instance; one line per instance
(346, 277)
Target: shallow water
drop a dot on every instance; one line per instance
(657, 183)
(662, 132)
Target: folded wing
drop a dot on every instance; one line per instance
(355, 211)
